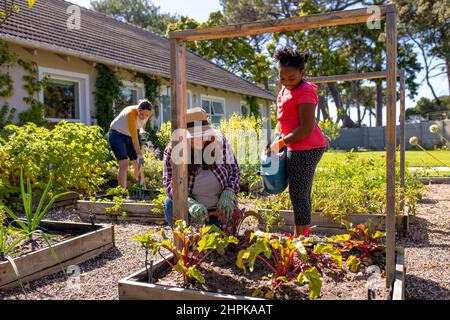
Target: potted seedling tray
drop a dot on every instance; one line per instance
(104, 208)
(326, 224)
(80, 242)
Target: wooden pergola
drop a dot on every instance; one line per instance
(336, 18)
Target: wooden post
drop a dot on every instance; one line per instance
(391, 77)
(402, 138)
(178, 103)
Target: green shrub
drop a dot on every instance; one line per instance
(75, 153)
(330, 130)
(356, 185)
(153, 169)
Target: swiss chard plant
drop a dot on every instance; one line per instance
(233, 225)
(364, 239)
(288, 257)
(196, 246)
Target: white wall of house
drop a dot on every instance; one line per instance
(80, 76)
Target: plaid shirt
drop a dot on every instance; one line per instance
(227, 171)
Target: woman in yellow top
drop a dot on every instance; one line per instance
(123, 137)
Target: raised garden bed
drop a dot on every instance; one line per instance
(233, 286)
(326, 224)
(66, 200)
(128, 211)
(84, 241)
(435, 180)
(398, 288)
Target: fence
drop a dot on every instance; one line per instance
(375, 138)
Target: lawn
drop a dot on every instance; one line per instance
(413, 158)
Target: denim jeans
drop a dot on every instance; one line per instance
(169, 214)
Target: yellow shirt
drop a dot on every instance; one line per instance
(126, 122)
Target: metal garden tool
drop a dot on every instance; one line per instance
(138, 191)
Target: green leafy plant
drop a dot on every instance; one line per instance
(118, 192)
(330, 130)
(232, 226)
(158, 202)
(292, 258)
(365, 239)
(153, 169)
(107, 90)
(196, 246)
(33, 218)
(76, 154)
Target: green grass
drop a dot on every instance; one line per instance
(413, 158)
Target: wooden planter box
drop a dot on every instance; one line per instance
(435, 180)
(89, 241)
(136, 287)
(142, 212)
(398, 287)
(67, 200)
(327, 225)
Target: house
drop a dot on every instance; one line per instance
(68, 56)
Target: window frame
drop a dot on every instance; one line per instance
(214, 99)
(82, 79)
(164, 90)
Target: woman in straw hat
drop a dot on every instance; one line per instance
(212, 168)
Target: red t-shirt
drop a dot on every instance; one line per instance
(288, 116)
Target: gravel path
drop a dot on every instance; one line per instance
(428, 247)
(427, 257)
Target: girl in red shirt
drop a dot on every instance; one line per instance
(296, 105)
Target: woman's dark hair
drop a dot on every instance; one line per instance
(288, 57)
(145, 105)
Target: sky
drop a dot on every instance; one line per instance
(200, 10)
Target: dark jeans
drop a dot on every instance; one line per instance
(168, 212)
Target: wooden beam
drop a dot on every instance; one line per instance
(349, 77)
(90, 63)
(32, 51)
(328, 19)
(402, 138)
(179, 172)
(391, 62)
(64, 57)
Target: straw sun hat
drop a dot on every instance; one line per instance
(197, 124)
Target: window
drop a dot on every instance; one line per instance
(61, 98)
(214, 107)
(166, 114)
(131, 94)
(245, 109)
(67, 95)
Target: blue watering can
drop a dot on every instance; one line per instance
(273, 171)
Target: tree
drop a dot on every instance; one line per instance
(141, 13)
(426, 23)
(236, 55)
(9, 8)
(425, 105)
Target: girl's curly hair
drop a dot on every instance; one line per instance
(289, 57)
